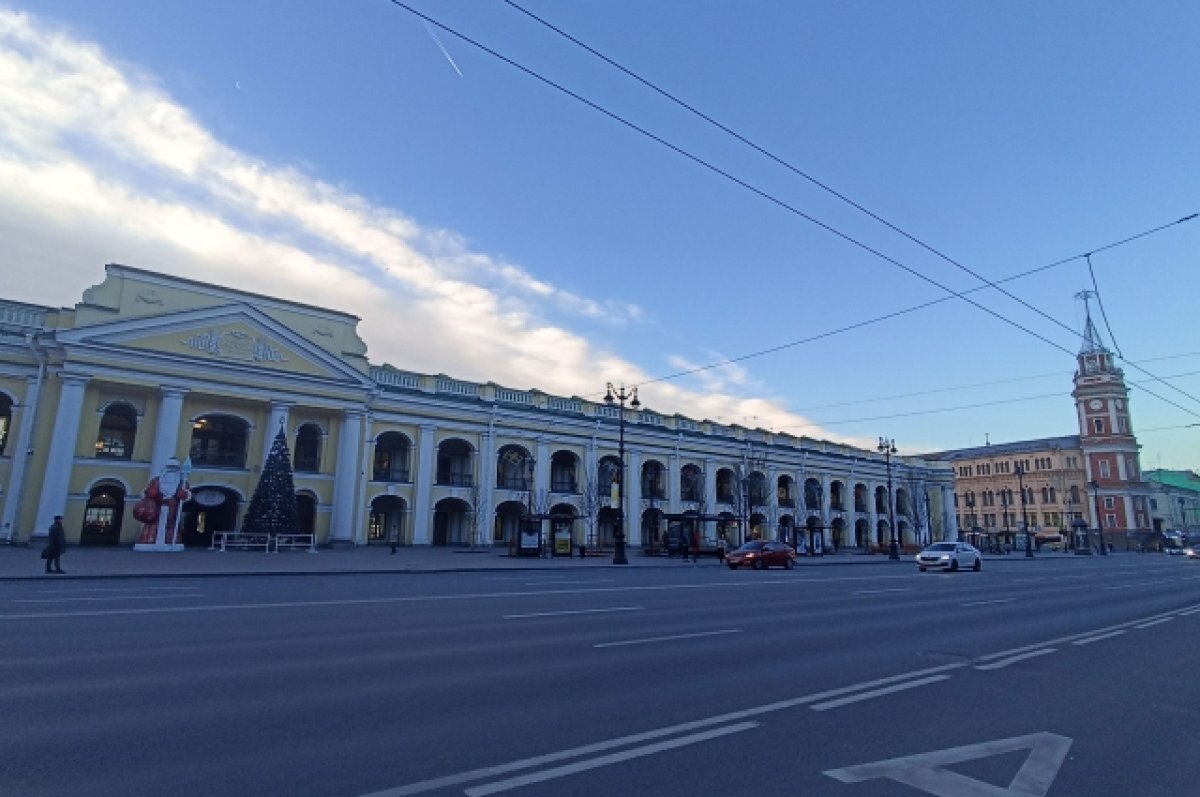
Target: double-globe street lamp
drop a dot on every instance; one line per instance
(611, 397)
(1020, 469)
(887, 447)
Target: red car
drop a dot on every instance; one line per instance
(761, 554)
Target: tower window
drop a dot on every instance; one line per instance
(1098, 425)
(1105, 470)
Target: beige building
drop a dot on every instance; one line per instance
(96, 398)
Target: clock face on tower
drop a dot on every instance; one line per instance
(1090, 366)
(1095, 404)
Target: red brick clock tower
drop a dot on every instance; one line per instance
(1118, 498)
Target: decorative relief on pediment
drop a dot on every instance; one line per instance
(234, 345)
(323, 331)
(149, 296)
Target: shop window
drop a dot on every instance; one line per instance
(118, 427)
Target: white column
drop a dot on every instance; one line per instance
(426, 474)
(674, 505)
(166, 430)
(277, 419)
(633, 501)
(710, 485)
(57, 478)
(344, 513)
(484, 518)
(26, 411)
(872, 515)
(541, 467)
(949, 516)
(772, 486)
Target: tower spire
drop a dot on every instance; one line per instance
(1091, 337)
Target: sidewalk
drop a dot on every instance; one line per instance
(19, 562)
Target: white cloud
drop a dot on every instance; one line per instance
(99, 164)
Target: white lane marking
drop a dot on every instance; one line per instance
(380, 601)
(845, 701)
(1082, 635)
(100, 598)
(1121, 586)
(575, 611)
(1028, 580)
(606, 760)
(588, 749)
(77, 590)
(879, 591)
(996, 665)
(926, 772)
(1099, 638)
(559, 581)
(649, 640)
(1189, 612)
(988, 603)
(1149, 623)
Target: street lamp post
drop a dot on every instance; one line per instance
(620, 396)
(1095, 485)
(1024, 516)
(887, 447)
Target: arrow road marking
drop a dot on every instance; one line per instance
(926, 772)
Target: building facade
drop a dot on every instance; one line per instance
(1175, 504)
(1057, 482)
(96, 398)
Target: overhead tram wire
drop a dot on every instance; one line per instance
(762, 193)
(834, 192)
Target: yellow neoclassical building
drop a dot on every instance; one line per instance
(96, 398)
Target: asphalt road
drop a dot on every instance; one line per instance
(1070, 677)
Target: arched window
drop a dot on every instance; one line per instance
(812, 494)
(725, 486)
(691, 484)
(654, 482)
(306, 455)
(118, 427)
(392, 453)
(562, 472)
(219, 441)
(454, 467)
(514, 468)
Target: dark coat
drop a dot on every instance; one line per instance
(58, 539)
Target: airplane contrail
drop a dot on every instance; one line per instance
(442, 47)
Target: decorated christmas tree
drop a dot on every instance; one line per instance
(272, 508)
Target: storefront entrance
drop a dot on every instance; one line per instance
(211, 509)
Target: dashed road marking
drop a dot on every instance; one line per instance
(996, 665)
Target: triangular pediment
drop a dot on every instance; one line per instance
(235, 336)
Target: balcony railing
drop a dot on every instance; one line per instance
(455, 480)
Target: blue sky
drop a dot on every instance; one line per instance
(488, 226)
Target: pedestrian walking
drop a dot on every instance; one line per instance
(394, 538)
(55, 546)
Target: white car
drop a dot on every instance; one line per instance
(1192, 553)
(950, 556)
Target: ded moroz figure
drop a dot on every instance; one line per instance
(159, 509)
